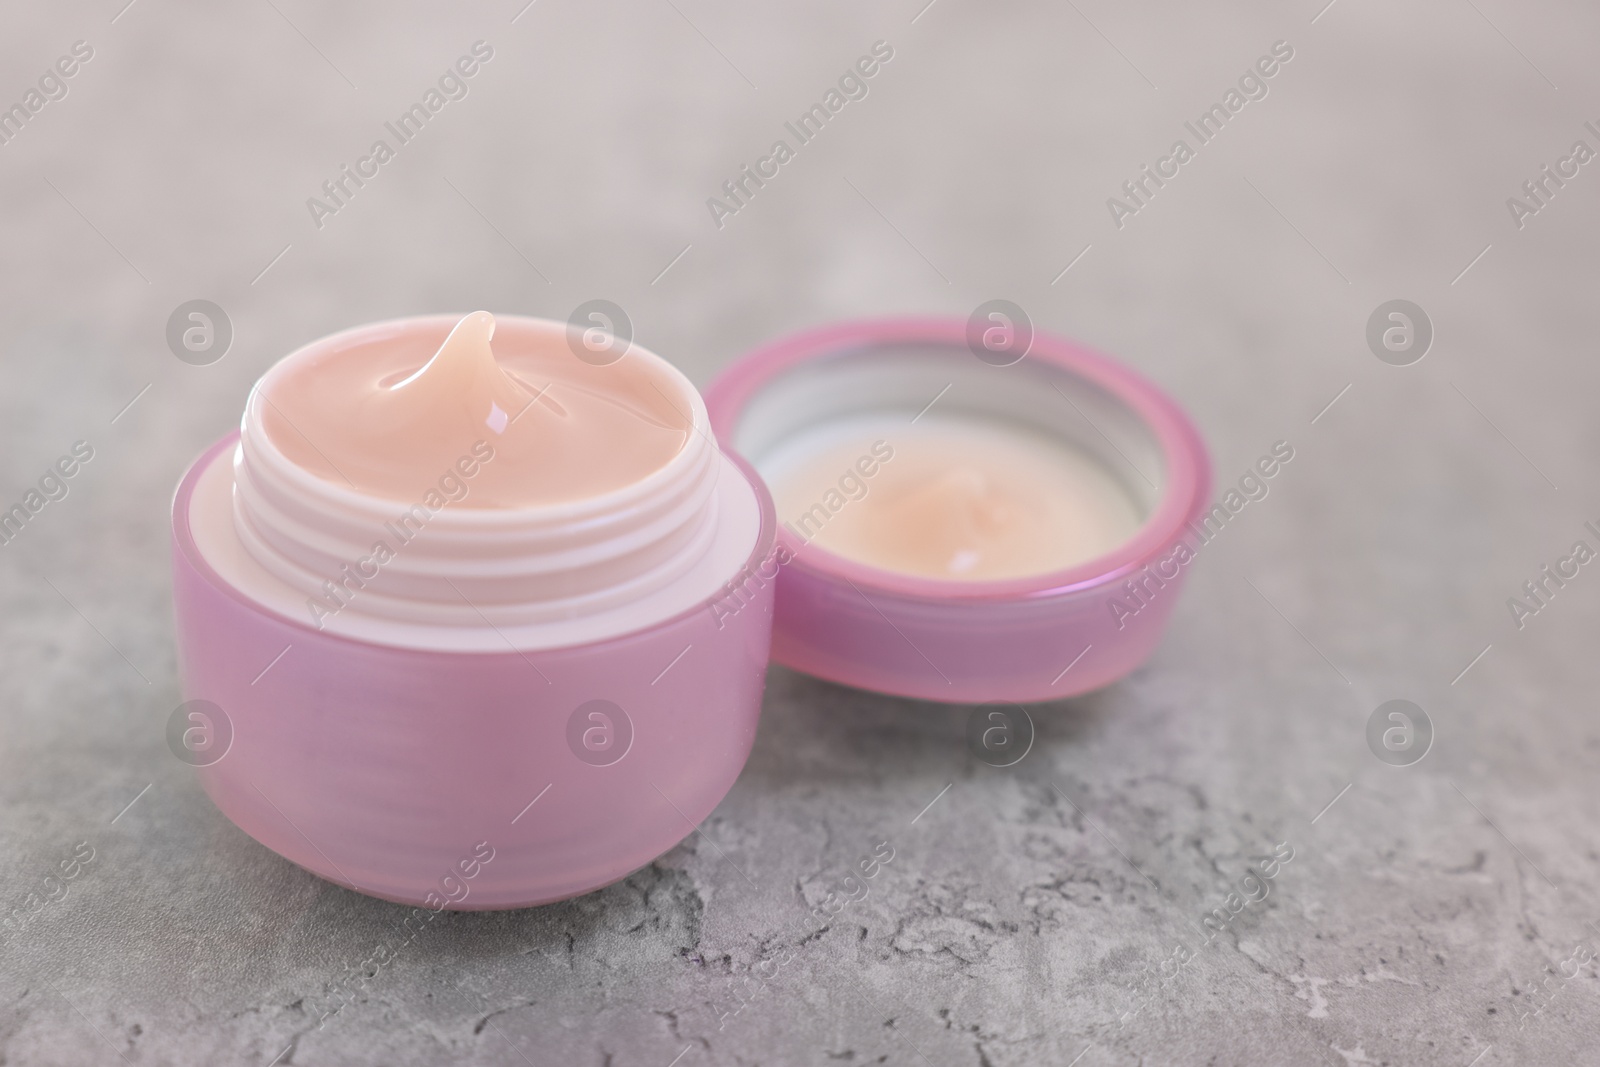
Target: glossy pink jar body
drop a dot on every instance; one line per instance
(396, 771)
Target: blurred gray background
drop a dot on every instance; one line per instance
(1431, 915)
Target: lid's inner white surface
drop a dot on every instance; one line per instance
(923, 460)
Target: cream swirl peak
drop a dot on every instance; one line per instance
(385, 416)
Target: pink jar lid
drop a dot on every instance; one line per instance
(1040, 637)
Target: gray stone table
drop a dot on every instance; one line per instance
(1435, 914)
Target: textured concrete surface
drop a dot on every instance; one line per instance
(1432, 915)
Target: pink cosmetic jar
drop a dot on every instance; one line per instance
(1035, 638)
(536, 701)
(533, 703)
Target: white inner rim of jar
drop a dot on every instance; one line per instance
(474, 578)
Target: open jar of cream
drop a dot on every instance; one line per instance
(449, 590)
(484, 611)
(957, 527)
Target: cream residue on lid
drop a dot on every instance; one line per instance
(961, 498)
(386, 418)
